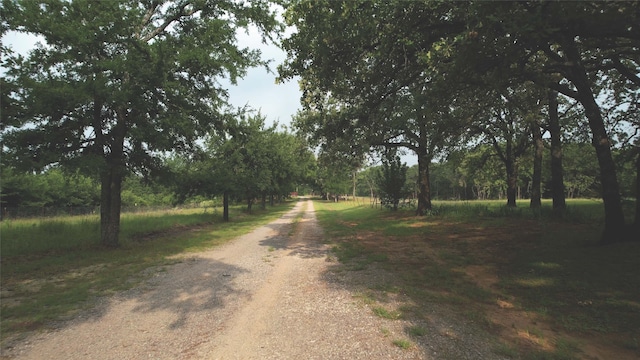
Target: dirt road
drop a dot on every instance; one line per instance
(264, 295)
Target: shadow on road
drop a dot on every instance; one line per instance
(302, 236)
(207, 285)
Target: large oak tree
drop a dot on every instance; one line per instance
(116, 83)
(364, 79)
(575, 48)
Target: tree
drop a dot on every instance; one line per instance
(118, 83)
(573, 48)
(557, 180)
(392, 180)
(250, 160)
(367, 82)
(581, 173)
(290, 161)
(334, 174)
(506, 125)
(366, 183)
(483, 171)
(536, 178)
(52, 188)
(365, 54)
(237, 161)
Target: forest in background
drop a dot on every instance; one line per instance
(470, 175)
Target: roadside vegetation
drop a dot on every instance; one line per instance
(539, 285)
(52, 268)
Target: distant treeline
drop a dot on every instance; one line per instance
(56, 188)
(477, 174)
(464, 175)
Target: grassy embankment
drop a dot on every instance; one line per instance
(51, 268)
(537, 284)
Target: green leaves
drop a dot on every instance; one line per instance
(144, 71)
(250, 160)
(392, 180)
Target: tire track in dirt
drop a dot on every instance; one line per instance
(257, 327)
(300, 313)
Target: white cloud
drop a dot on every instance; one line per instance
(258, 89)
(20, 43)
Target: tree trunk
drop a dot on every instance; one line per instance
(249, 204)
(536, 179)
(110, 183)
(637, 217)
(512, 181)
(111, 178)
(424, 190)
(225, 206)
(557, 180)
(264, 201)
(110, 204)
(371, 194)
(613, 214)
(355, 173)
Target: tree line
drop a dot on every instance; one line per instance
(59, 188)
(477, 174)
(440, 77)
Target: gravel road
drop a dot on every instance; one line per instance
(276, 293)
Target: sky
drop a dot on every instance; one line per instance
(258, 89)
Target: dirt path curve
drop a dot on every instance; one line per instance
(264, 295)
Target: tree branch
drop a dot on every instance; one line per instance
(626, 72)
(147, 18)
(563, 89)
(179, 14)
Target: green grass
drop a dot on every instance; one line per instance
(366, 298)
(417, 331)
(508, 350)
(386, 332)
(542, 264)
(403, 343)
(386, 314)
(583, 286)
(52, 268)
(26, 237)
(33, 236)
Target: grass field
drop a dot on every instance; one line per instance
(51, 268)
(537, 283)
